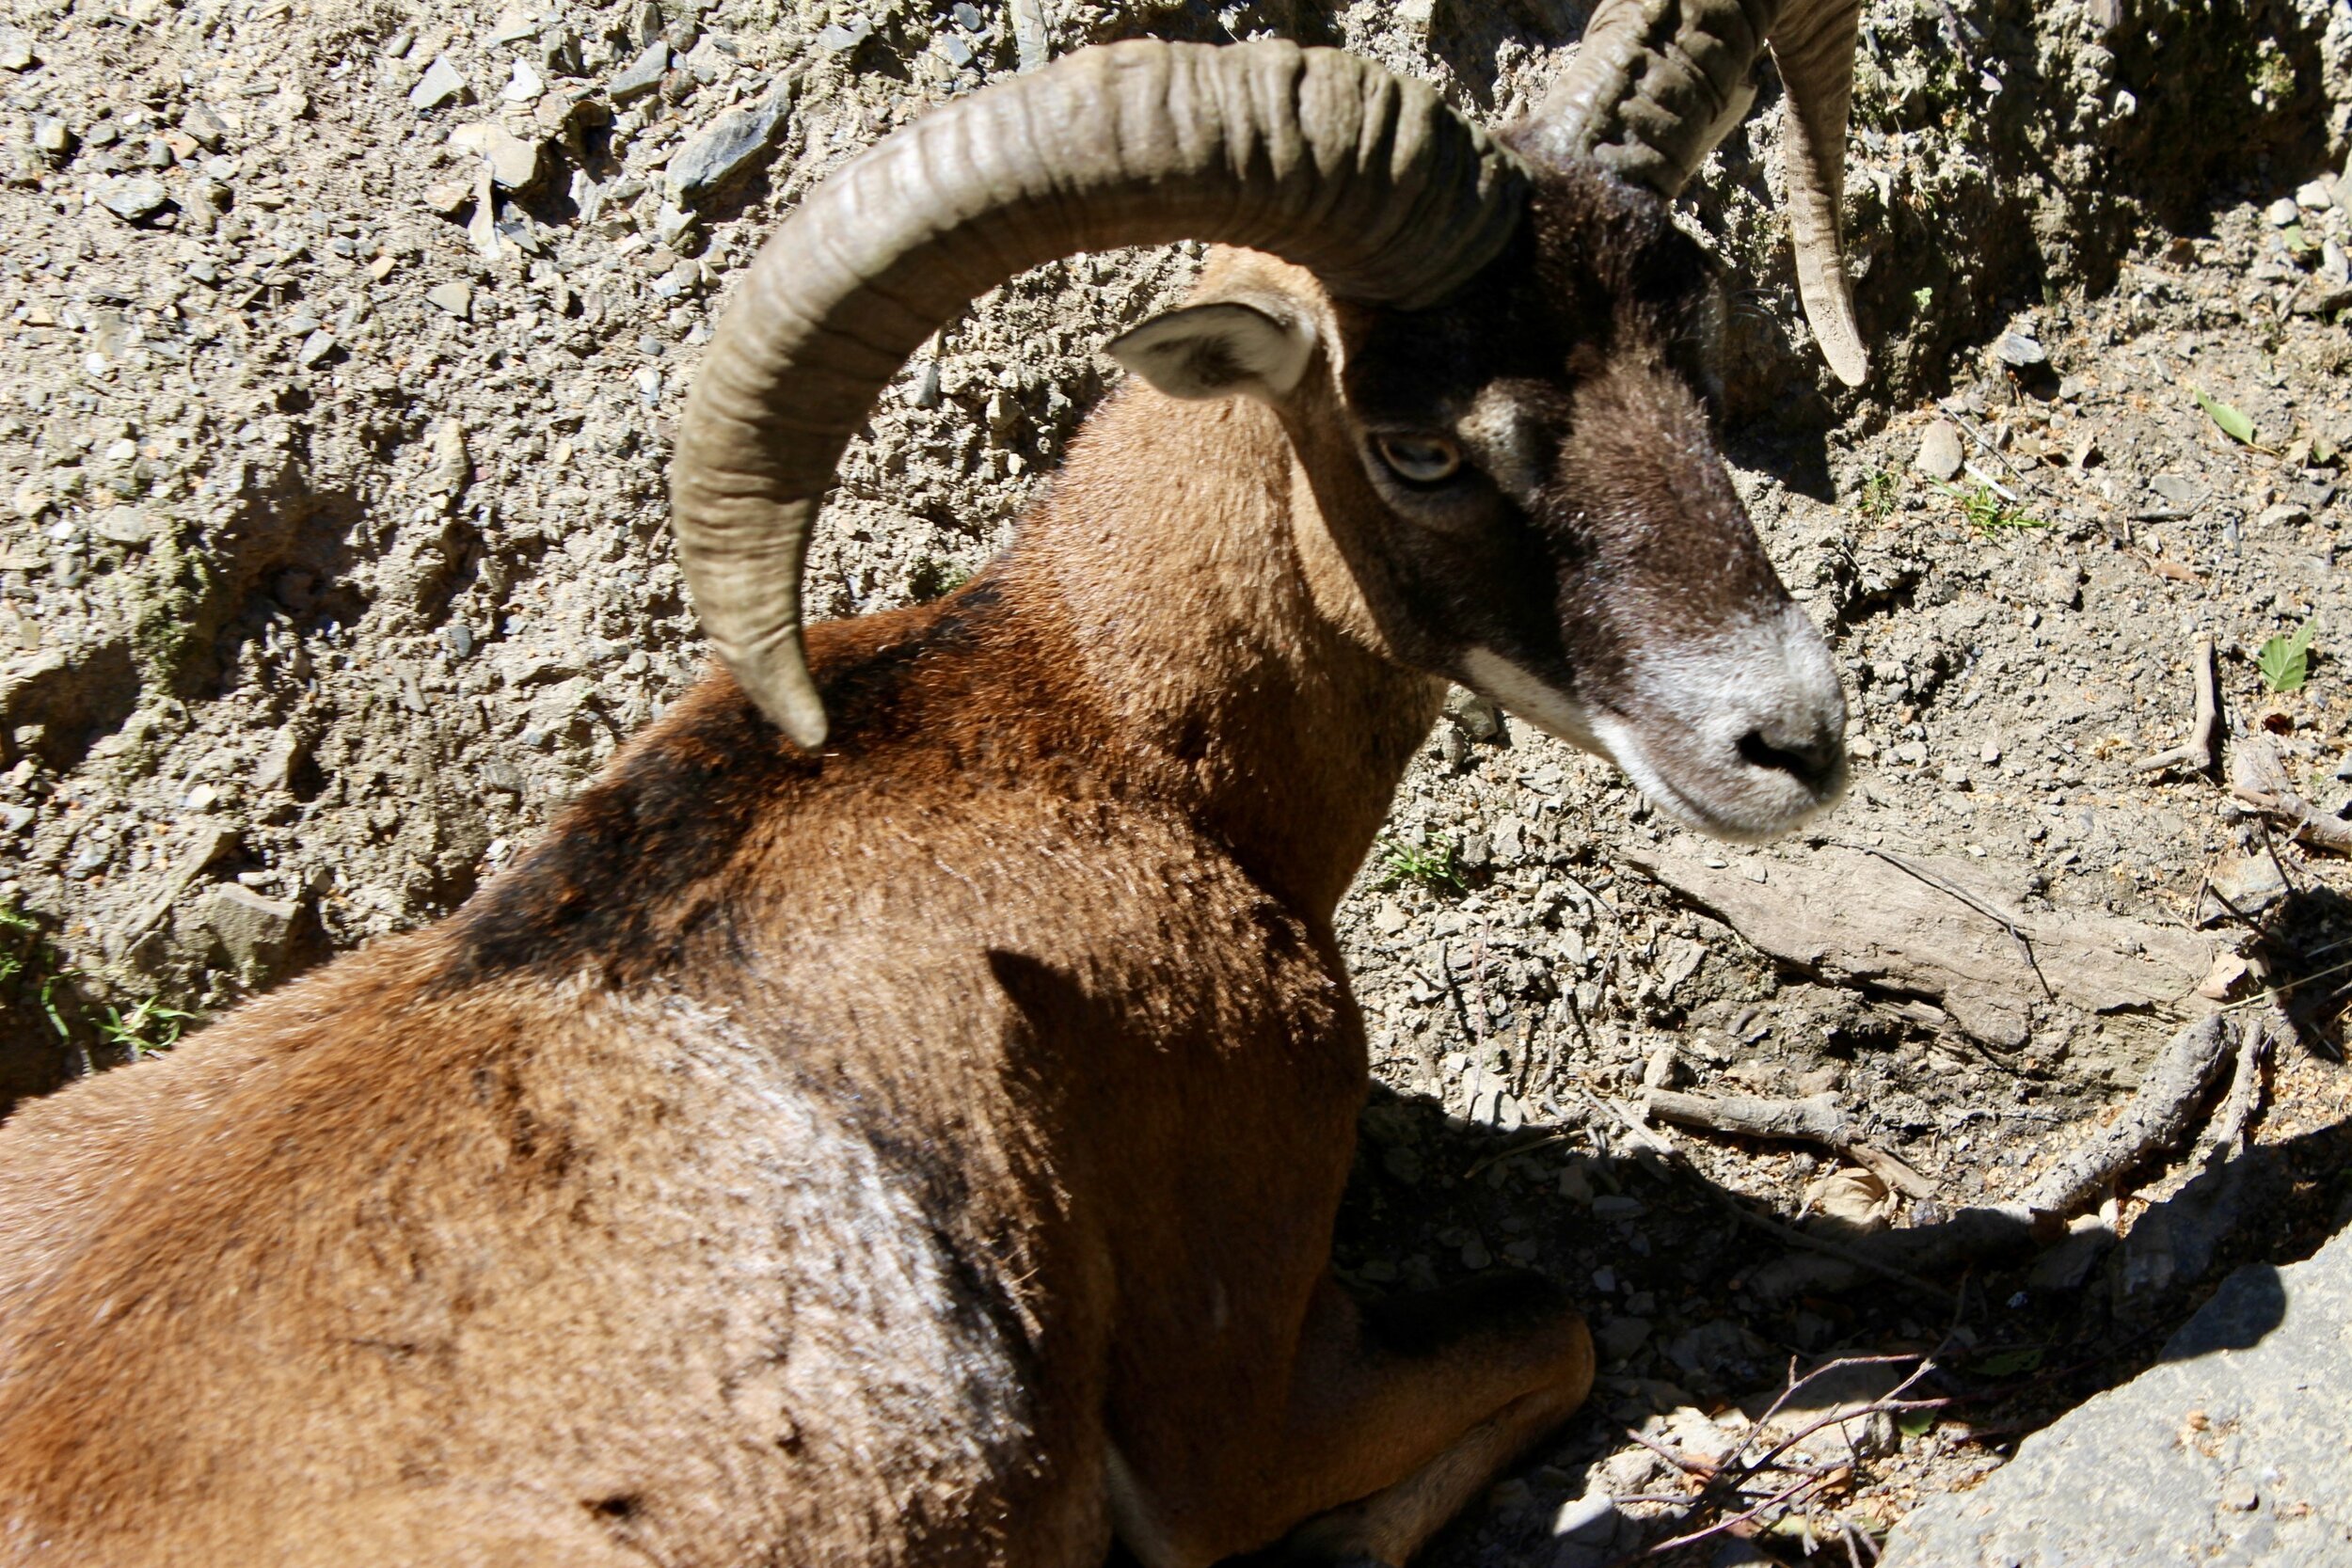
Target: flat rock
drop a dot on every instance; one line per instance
(1855, 919)
(2020, 351)
(512, 162)
(16, 50)
(125, 524)
(132, 197)
(442, 83)
(253, 930)
(1940, 455)
(454, 297)
(725, 147)
(2229, 1452)
(642, 74)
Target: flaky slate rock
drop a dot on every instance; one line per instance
(727, 147)
(2233, 1451)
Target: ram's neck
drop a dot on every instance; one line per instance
(1210, 613)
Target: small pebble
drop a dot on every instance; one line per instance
(2282, 213)
(16, 50)
(316, 347)
(968, 17)
(2314, 197)
(524, 85)
(454, 297)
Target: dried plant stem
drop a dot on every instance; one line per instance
(2197, 753)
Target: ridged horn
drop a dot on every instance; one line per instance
(1658, 83)
(1323, 159)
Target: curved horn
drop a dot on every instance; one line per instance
(1658, 83)
(1323, 159)
(1814, 47)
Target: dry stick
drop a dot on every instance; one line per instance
(2159, 1111)
(1720, 1526)
(2205, 726)
(2312, 826)
(2225, 1137)
(1817, 1119)
(1676, 1160)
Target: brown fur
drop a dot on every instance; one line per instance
(922, 1152)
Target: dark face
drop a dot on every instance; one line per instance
(1558, 530)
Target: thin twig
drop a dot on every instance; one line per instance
(1982, 440)
(2197, 751)
(2016, 932)
(1808, 1483)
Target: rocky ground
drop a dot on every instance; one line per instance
(345, 340)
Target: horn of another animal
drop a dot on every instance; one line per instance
(1655, 85)
(1323, 159)
(1658, 83)
(1814, 47)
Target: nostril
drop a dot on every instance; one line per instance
(1813, 766)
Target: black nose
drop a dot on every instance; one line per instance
(1815, 762)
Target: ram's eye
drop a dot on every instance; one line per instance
(1419, 459)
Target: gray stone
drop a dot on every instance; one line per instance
(834, 38)
(125, 524)
(968, 16)
(454, 297)
(253, 930)
(1940, 455)
(2020, 351)
(1619, 1338)
(2229, 1452)
(642, 74)
(205, 126)
(728, 146)
(2177, 489)
(442, 84)
(52, 136)
(513, 26)
(708, 61)
(316, 347)
(16, 50)
(952, 48)
(133, 197)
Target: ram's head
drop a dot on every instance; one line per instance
(1490, 353)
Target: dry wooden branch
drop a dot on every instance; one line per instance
(1815, 1119)
(2159, 1111)
(2310, 825)
(2259, 779)
(2226, 1136)
(2198, 752)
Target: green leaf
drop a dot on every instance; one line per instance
(2285, 661)
(2236, 426)
(1915, 1424)
(2009, 1362)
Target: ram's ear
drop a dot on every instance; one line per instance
(1219, 351)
